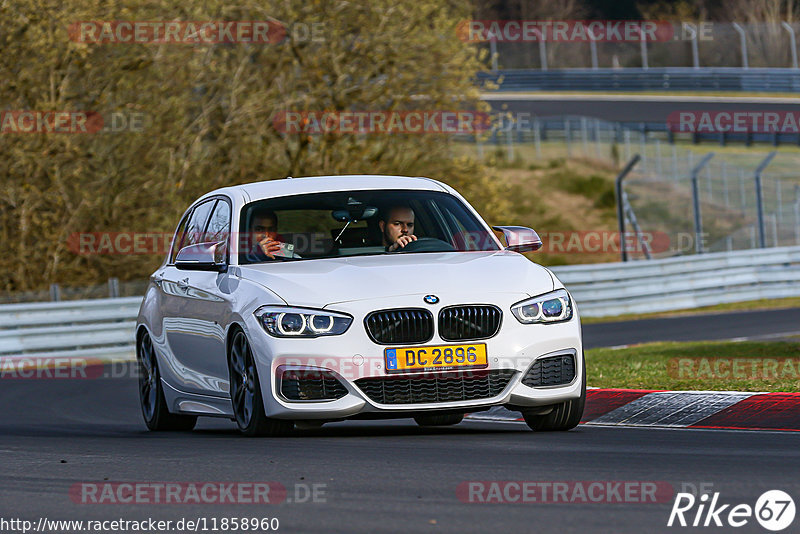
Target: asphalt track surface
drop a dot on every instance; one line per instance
(630, 108)
(380, 476)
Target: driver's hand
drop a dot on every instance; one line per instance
(401, 242)
(269, 246)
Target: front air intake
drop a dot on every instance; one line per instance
(551, 371)
(310, 385)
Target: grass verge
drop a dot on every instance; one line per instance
(698, 366)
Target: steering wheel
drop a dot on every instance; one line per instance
(427, 244)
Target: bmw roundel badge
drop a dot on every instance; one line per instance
(431, 299)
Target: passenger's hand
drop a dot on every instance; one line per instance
(401, 242)
(269, 246)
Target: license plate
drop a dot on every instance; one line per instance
(436, 357)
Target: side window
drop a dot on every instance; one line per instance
(179, 237)
(197, 224)
(219, 224)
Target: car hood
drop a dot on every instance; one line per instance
(322, 282)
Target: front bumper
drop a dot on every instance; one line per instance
(353, 356)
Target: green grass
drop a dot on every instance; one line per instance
(702, 366)
(763, 304)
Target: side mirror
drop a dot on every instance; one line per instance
(202, 257)
(520, 238)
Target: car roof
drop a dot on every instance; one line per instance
(319, 184)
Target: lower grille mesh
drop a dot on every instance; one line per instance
(551, 371)
(440, 387)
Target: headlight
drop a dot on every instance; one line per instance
(553, 307)
(283, 321)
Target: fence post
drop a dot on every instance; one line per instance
(643, 48)
(643, 146)
(55, 292)
(693, 37)
(674, 163)
(568, 136)
(658, 159)
(793, 41)
(592, 46)
(774, 230)
(542, 52)
(762, 239)
(725, 195)
(742, 44)
(698, 220)
(627, 144)
(113, 288)
(597, 138)
(537, 138)
(741, 191)
(620, 204)
(585, 137)
(797, 214)
(509, 142)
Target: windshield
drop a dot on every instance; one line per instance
(355, 223)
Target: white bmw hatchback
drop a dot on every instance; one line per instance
(311, 300)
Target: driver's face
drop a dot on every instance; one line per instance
(399, 223)
(264, 227)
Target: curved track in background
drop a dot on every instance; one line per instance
(739, 325)
(630, 108)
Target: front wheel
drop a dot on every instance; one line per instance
(151, 395)
(248, 404)
(564, 416)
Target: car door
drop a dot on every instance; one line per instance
(196, 308)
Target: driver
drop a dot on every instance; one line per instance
(397, 227)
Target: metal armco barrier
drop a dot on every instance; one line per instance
(104, 328)
(100, 328)
(684, 282)
(652, 79)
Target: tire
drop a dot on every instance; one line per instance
(151, 394)
(246, 399)
(564, 416)
(439, 419)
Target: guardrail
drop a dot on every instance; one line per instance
(652, 79)
(104, 328)
(101, 328)
(683, 282)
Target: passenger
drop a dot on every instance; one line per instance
(264, 229)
